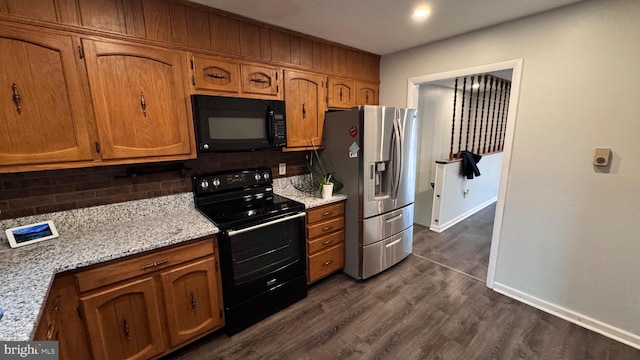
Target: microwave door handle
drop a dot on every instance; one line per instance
(270, 133)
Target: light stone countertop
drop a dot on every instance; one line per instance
(98, 234)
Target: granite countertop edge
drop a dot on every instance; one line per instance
(81, 246)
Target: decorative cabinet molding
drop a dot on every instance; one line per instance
(42, 105)
(341, 93)
(141, 105)
(325, 241)
(305, 94)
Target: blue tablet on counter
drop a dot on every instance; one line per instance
(32, 233)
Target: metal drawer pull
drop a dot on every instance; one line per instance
(392, 219)
(16, 97)
(143, 104)
(393, 243)
(327, 242)
(154, 264)
(50, 332)
(56, 304)
(326, 228)
(328, 262)
(126, 329)
(327, 213)
(286, 218)
(193, 302)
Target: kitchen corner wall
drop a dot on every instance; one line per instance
(41, 192)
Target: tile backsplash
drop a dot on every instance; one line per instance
(40, 192)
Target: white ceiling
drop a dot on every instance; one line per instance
(383, 26)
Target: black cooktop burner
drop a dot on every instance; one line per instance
(240, 199)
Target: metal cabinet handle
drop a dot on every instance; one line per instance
(16, 97)
(193, 302)
(328, 262)
(125, 328)
(216, 76)
(326, 228)
(154, 264)
(143, 104)
(341, 93)
(327, 213)
(56, 304)
(327, 242)
(366, 97)
(393, 218)
(304, 111)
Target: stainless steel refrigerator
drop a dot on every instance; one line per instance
(372, 150)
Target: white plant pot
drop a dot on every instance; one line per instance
(327, 191)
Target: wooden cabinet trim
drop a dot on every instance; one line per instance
(324, 212)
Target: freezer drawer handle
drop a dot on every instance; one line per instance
(392, 219)
(393, 243)
(286, 218)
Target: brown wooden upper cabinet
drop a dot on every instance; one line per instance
(42, 113)
(341, 93)
(367, 93)
(229, 77)
(305, 95)
(141, 104)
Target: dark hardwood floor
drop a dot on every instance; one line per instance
(418, 309)
(463, 247)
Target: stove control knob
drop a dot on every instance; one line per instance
(216, 182)
(257, 177)
(204, 184)
(265, 176)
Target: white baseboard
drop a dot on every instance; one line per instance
(442, 227)
(577, 318)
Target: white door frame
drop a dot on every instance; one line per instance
(515, 65)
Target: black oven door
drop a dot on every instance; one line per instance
(262, 257)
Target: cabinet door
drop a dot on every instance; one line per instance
(124, 321)
(60, 320)
(215, 74)
(366, 93)
(305, 96)
(192, 300)
(341, 93)
(140, 100)
(261, 80)
(42, 117)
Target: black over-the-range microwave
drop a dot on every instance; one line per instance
(238, 124)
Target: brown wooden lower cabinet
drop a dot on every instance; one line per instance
(325, 241)
(60, 320)
(170, 297)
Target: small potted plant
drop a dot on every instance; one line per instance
(327, 181)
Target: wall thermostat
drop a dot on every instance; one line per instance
(32, 233)
(601, 156)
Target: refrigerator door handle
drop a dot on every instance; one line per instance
(396, 143)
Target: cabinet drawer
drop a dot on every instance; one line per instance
(130, 268)
(325, 242)
(325, 227)
(326, 262)
(325, 212)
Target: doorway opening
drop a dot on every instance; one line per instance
(424, 190)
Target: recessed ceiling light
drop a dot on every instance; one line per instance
(421, 13)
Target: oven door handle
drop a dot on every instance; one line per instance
(269, 223)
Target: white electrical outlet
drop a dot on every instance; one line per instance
(282, 169)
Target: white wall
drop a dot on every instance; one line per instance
(453, 204)
(569, 237)
(434, 121)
